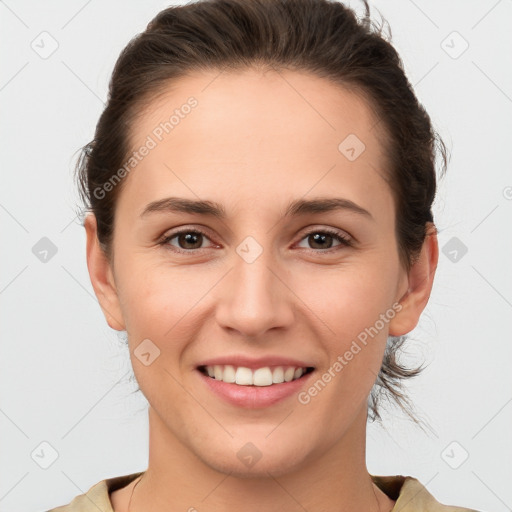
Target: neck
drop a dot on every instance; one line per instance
(336, 480)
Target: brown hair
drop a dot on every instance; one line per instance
(323, 37)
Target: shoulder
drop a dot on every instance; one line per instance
(98, 496)
(411, 495)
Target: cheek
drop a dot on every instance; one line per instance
(349, 299)
(166, 306)
(155, 298)
(158, 306)
(352, 302)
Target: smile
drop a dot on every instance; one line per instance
(264, 376)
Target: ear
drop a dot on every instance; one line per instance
(102, 277)
(420, 280)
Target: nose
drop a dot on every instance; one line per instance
(255, 297)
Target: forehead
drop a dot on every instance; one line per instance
(259, 134)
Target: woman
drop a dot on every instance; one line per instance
(260, 188)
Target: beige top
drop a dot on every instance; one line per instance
(410, 495)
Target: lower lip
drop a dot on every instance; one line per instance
(254, 397)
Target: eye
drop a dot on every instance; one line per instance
(187, 239)
(322, 239)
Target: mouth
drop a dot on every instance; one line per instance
(257, 377)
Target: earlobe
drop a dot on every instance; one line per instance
(101, 276)
(420, 282)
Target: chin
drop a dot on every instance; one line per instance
(250, 463)
(260, 470)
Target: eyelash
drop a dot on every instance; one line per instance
(344, 241)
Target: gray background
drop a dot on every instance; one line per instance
(64, 373)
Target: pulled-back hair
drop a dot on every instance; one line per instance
(322, 37)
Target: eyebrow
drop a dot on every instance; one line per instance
(216, 210)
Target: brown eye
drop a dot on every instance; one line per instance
(187, 240)
(320, 240)
(323, 239)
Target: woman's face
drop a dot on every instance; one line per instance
(257, 283)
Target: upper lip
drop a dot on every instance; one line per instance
(255, 362)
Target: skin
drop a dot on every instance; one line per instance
(256, 141)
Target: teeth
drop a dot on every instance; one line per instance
(288, 374)
(260, 377)
(278, 375)
(229, 374)
(243, 376)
